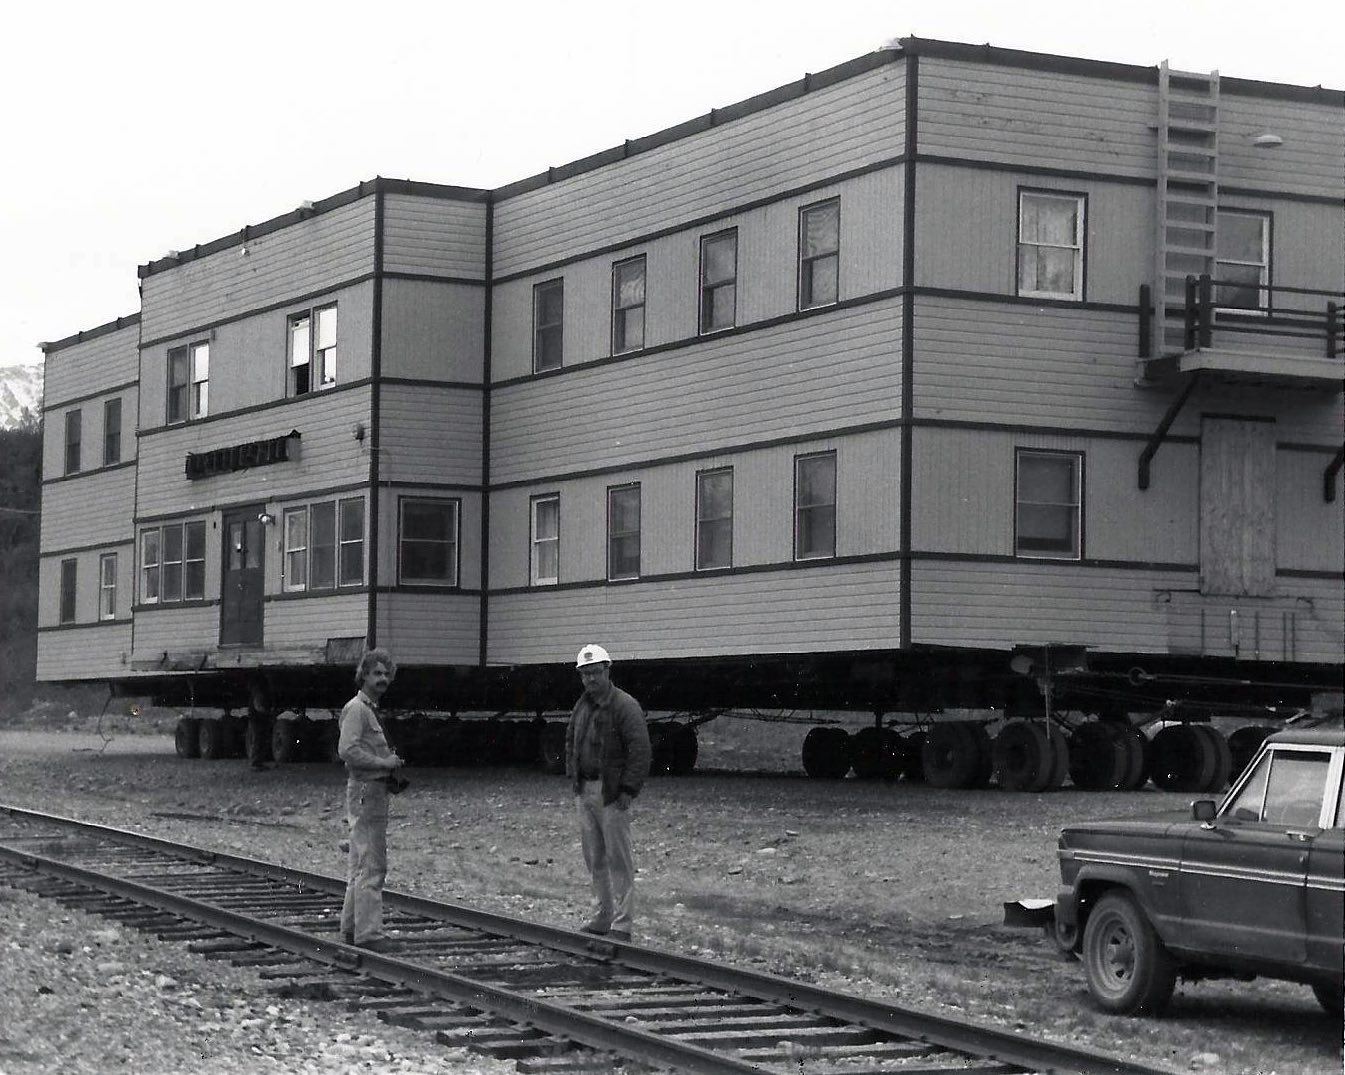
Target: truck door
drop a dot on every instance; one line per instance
(242, 589)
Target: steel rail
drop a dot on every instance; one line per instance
(943, 1031)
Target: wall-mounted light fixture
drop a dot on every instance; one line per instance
(266, 518)
(357, 431)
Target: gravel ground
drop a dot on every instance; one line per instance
(894, 892)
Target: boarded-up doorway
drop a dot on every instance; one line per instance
(1237, 507)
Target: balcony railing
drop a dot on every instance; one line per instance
(1287, 313)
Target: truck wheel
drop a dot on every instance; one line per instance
(1098, 756)
(1183, 759)
(1223, 757)
(685, 748)
(285, 741)
(951, 755)
(551, 748)
(1021, 753)
(257, 738)
(1129, 971)
(187, 738)
(214, 738)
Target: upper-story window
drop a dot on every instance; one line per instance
(544, 565)
(172, 563)
(188, 382)
(623, 532)
(73, 432)
(1048, 504)
(324, 545)
(1242, 260)
(69, 571)
(1050, 244)
(312, 350)
(819, 254)
(628, 286)
(548, 325)
(719, 281)
(714, 518)
(427, 551)
(814, 506)
(112, 432)
(107, 586)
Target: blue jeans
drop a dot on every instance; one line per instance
(604, 832)
(367, 869)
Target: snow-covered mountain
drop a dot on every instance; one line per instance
(20, 391)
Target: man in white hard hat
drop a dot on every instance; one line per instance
(607, 759)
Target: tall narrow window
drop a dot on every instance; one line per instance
(428, 550)
(324, 346)
(322, 546)
(296, 549)
(719, 281)
(814, 506)
(548, 325)
(193, 563)
(1050, 245)
(350, 554)
(628, 290)
(68, 572)
(112, 432)
(149, 567)
(545, 561)
(171, 560)
(714, 519)
(301, 354)
(1048, 504)
(819, 254)
(1242, 260)
(312, 350)
(73, 426)
(188, 382)
(623, 532)
(107, 586)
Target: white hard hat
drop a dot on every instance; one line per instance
(592, 654)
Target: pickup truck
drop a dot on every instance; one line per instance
(1250, 886)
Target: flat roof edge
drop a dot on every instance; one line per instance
(91, 333)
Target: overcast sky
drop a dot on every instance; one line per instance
(134, 128)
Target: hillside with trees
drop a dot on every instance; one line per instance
(20, 500)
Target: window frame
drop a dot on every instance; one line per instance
(1078, 461)
(195, 389)
(107, 588)
(453, 556)
(542, 331)
(304, 556)
(535, 577)
(294, 554)
(800, 508)
(192, 567)
(112, 431)
(614, 536)
(708, 290)
(69, 591)
(320, 362)
(620, 343)
(1266, 275)
(74, 436)
(699, 549)
(343, 543)
(1080, 245)
(805, 284)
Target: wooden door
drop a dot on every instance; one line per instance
(244, 578)
(1237, 507)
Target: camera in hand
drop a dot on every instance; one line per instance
(397, 784)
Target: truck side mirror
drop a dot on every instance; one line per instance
(1203, 810)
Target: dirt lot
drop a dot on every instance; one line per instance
(894, 891)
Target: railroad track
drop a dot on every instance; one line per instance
(552, 999)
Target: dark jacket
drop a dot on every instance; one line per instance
(625, 746)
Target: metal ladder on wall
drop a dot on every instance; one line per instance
(1188, 194)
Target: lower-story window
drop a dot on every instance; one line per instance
(69, 570)
(324, 545)
(1048, 504)
(623, 532)
(427, 549)
(107, 586)
(815, 506)
(172, 563)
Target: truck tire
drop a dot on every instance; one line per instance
(285, 744)
(1137, 758)
(1129, 972)
(1223, 757)
(1183, 758)
(1244, 743)
(187, 738)
(551, 748)
(257, 739)
(685, 749)
(215, 739)
(1098, 756)
(1022, 755)
(951, 755)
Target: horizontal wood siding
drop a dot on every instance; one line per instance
(281, 266)
(430, 434)
(1039, 119)
(1308, 161)
(172, 630)
(819, 373)
(1310, 531)
(1303, 621)
(434, 629)
(966, 233)
(249, 355)
(1015, 364)
(837, 607)
(434, 236)
(833, 130)
(767, 283)
(86, 583)
(868, 478)
(79, 369)
(469, 532)
(328, 456)
(1307, 250)
(310, 621)
(88, 653)
(997, 605)
(963, 495)
(92, 510)
(91, 425)
(433, 331)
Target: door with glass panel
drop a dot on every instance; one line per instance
(242, 588)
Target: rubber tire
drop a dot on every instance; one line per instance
(1183, 759)
(214, 738)
(322, 741)
(1245, 742)
(1098, 757)
(286, 742)
(187, 738)
(551, 748)
(1055, 775)
(1128, 970)
(257, 739)
(951, 755)
(685, 749)
(914, 769)
(1022, 755)
(873, 755)
(813, 753)
(1223, 757)
(1137, 758)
